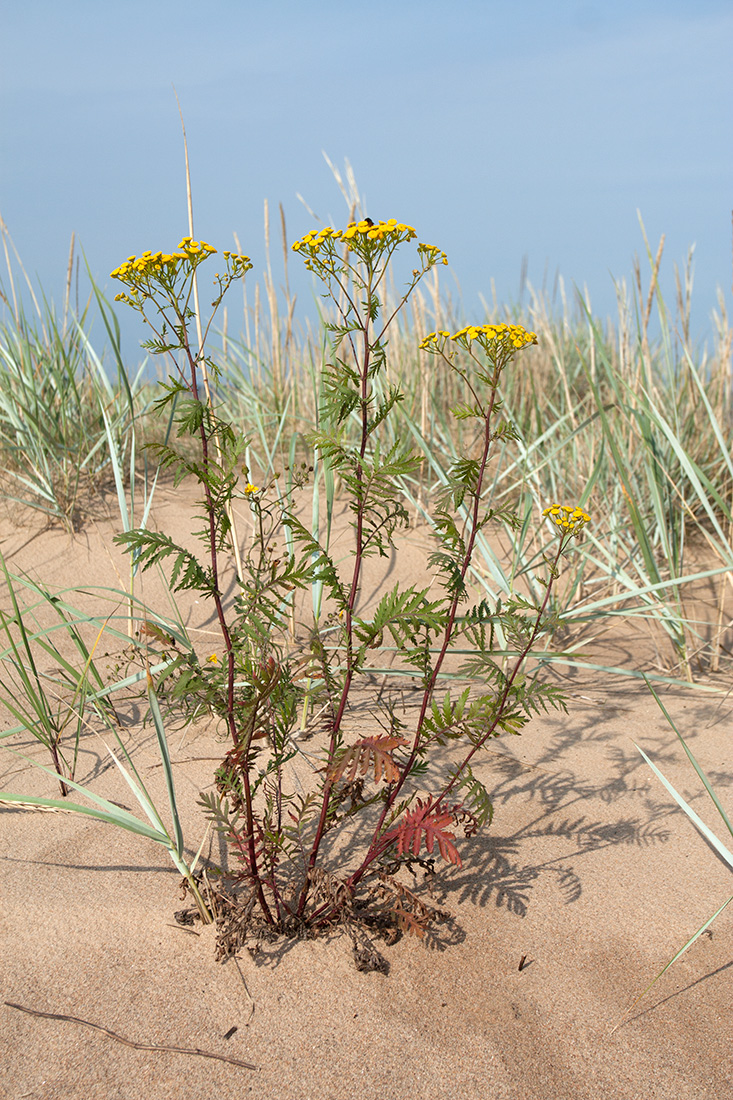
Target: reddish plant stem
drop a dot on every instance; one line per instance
(447, 634)
(378, 845)
(55, 755)
(223, 626)
(353, 592)
(508, 681)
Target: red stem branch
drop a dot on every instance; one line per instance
(223, 626)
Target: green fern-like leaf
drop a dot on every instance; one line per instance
(474, 796)
(151, 547)
(465, 411)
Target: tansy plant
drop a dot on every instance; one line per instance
(409, 794)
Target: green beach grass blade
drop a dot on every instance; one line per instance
(699, 824)
(112, 814)
(165, 758)
(103, 809)
(711, 838)
(705, 781)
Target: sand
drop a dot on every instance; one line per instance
(589, 873)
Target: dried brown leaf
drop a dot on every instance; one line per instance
(367, 751)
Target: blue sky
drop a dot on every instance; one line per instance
(498, 129)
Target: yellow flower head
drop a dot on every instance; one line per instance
(196, 248)
(568, 520)
(237, 263)
(212, 659)
(140, 272)
(361, 236)
(249, 489)
(136, 270)
(498, 341)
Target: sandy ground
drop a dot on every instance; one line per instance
(589, 873)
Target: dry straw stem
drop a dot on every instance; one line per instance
(69, 273)
(130, 1042)
(653, 287)
(233, 536)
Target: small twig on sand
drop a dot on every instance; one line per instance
(250, 998)
(129, 1042)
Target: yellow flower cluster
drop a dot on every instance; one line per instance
(137, 271)
(393, 232)
(569, 520)
(249, 489)
(432, 254)
(195, 249)
(137, 268)
(237, 263)
(491, 337)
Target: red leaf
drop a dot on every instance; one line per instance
(430, 822)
